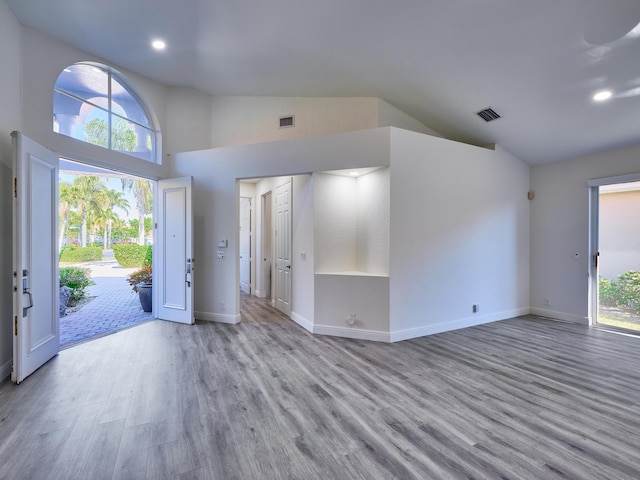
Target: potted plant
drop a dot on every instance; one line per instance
(141, 281)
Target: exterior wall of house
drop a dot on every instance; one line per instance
(10, 119)
(619, 225)
(560, 228)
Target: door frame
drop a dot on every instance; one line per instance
(594, 226)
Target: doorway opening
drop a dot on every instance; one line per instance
(105, 242)
(266, 234)
(618, 256)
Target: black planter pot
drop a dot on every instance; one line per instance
(146, 298)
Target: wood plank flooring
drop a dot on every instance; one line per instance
(526, 398)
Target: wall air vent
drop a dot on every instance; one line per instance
(488, 114)
(287, 121)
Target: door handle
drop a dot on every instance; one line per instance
(25, 291)
(288, 266)
(24, 309)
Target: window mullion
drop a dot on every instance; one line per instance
(109, 114)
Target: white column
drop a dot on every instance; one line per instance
(66, 122)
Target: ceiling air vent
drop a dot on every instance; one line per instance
(488, 114)
(287, 121)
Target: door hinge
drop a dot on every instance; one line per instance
(15, 187)
(15, 325)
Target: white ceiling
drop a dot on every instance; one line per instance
(536, 62)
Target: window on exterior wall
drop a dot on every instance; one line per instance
(94, 104)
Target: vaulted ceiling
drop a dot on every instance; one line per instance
(535, 62)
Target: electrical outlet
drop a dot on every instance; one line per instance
(476, 308)
(220, 254)
(351, 319)
(547, 302)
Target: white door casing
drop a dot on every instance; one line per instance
(283, 248)
(245, 244)
(174, 262)
(36, 335)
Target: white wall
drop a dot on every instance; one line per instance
(390, 116)
(336, 218)
(372, 237)
(215, 173)
(243, 120)
(10, 119)
(302, 294)
(352, 222)
(188, 120)
(560, 228)
(459, 235)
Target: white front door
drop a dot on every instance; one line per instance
(36, 336)
(245, 244)
(173, 282)
(283, 248)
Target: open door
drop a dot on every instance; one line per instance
(36, 336)
(283, 247)
(245, 244)
(174, 254)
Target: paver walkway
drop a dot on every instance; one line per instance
(114, 307)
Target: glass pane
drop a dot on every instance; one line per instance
(131, 138)
(126, 104)
(95, 128)
(86, 82)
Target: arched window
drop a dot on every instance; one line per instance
(94, 104)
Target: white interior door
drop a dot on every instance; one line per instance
(283, 248)
(36, 335)
(174, 262)
(245, 244)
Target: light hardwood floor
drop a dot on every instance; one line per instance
(525, 398)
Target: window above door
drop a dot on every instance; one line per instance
(95, 104)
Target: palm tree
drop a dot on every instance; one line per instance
(144, 200)
(65, 204)
(89, 196)
(114, 199)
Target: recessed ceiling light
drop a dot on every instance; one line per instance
(602, 95)
(354, 174)
(158, 44)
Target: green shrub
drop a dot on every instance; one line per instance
(131, 255)
(80, 254)
(148, 258)
(77, 279)
(623, 292)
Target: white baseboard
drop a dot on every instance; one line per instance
(303, 322)
(355, 333)
(407, 334)
(567, 317)
(218, 317)
(5, 370)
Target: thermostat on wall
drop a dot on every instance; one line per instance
(222, 243)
